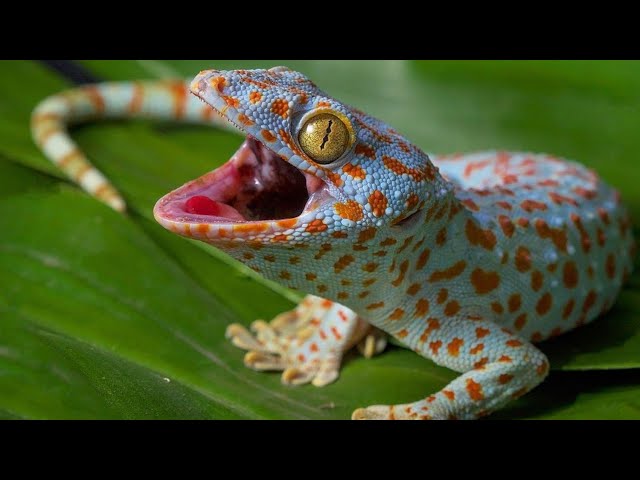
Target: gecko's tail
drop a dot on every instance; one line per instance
(167, 100)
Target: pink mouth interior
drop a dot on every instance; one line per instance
(254, 185)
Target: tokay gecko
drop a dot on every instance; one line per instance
(468, 260)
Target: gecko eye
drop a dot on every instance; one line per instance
(325, 136)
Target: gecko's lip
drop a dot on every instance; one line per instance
(255, 194)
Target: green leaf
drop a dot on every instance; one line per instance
(107, 316)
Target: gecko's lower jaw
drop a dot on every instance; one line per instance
(255, 191)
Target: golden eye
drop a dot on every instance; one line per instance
(325, 137)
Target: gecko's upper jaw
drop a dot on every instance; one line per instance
(255, 188)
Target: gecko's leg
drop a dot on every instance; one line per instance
(498, 367)
(307, 343)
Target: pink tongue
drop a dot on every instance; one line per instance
(201, 205)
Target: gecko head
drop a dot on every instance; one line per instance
(311, 172)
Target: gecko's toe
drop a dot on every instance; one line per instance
(262, 361)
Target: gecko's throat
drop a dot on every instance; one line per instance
(254, 185)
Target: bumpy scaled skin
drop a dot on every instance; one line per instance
(466, 259)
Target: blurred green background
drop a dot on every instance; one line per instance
(110, 316)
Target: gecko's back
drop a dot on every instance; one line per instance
(562, 237)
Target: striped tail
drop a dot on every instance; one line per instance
(163, 100)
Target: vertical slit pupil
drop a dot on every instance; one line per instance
(326, 137)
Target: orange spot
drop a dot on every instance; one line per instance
(316, 226)
(374, 306)
(387, 242)
(399, 168)
(350, 210)
(477, 349)
(343, 295)
(279, 238)
(97, 100)
(484, 282)
(280, 107)
(218, 83)
(610, 266)
(570, 274)
(536, 337)
(560, 199)
(568, 308)
(470, 204)
(255, 97)
(403, 270)
(244, 120)
(370, 281)
(442, 295)
(602, 239)
(268, 136)
(514, 343)
(435, 346)
(604, 216)
(339, 235)
(422, 259)
(474, 390)
(557, 235)
(378, 203)
(589, 301)
(505, 359)
(543, 368)
(507, 225)
(402, 333)
(504, 378)
(453, 348)
(477, 236)
(342, 263)
(503, 204)
(449, 273)
(583, 192)
(451, 308)
(397, 314)
(422, 307)
(413, 289)
(523, 259)
(202, 228)
(137, 99)
(287, 223)
(520, 321)
(285, 275)
(536, 280)
(497, 307)
(523, 222)
(441, 236)
(310, 276)
(532, 205)
(231, 101)
(370, 267)
(367, 234)
(449, 394)
(301, 357)
(366, 150)
(432, 324)
(355, 171)
(412, 201)
(314, 347)
(479, 365)
(336, 333)
(584, 235)
(544, 304)
(322, 103)
(514, 302)
(482, 332)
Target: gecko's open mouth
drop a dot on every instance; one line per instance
(254, 186)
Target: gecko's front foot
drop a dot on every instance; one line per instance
(307, 343)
